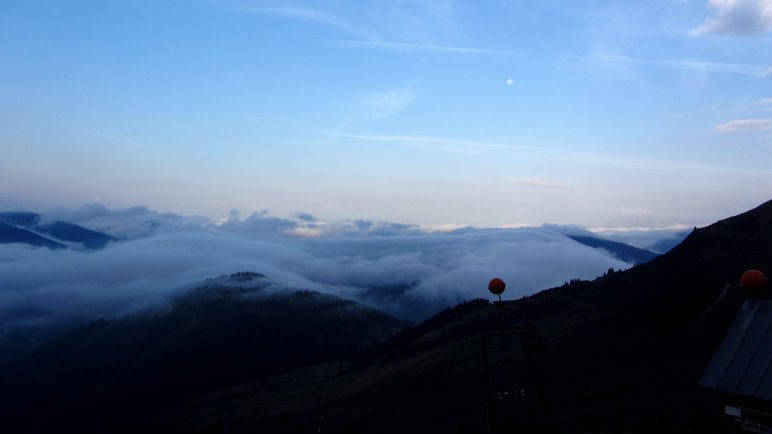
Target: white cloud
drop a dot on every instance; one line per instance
(510, 82)
(764, 103)
(126, 223)
(741, 125)
(400, 268)
(737, 17)
(388, 103)
(641, 237)
(535, 182)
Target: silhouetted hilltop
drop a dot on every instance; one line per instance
(124, 375)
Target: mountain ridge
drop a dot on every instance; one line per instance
(625, 349)
(15, 235)
(622, 251)
(24, 228)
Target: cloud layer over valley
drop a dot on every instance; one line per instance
(402, 269)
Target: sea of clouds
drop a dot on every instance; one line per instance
(402, 269)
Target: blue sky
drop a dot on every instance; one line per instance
(608, 114)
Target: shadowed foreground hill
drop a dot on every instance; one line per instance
(624, 355)
(124, 375)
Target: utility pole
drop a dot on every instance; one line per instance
(531, 342)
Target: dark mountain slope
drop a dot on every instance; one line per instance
(623, 252)
(11, 234)
(71, 232)
(122, 375)
(624, 353)
(639, 339)
(23, 227)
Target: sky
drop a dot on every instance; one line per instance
(605, 114)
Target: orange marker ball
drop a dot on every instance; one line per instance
(753, 280)
(496, 286)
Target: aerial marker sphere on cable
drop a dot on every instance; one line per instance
(753, 280)
(496, 286)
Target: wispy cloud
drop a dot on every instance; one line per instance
(764, 103)
(307, 14)
(741, 125)
(737, 17)
(732, 68)
(659, 165)
(560, 154)
(368, 37)
(536, 182)
(388, 103)
(405, 46)
(720, 67)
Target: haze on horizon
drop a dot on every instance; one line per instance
(607, 114)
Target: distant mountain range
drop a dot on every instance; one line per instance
(24, 228)
(623, 252)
